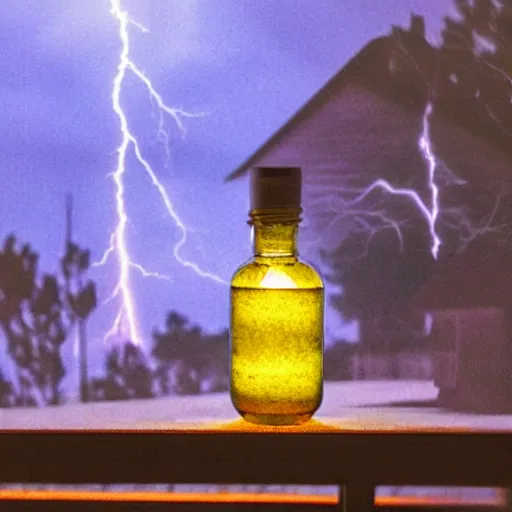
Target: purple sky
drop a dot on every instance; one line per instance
(249, 64)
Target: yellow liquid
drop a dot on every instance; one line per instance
(276, 353)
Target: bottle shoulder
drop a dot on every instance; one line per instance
(293, 271)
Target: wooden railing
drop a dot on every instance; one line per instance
(357, 462)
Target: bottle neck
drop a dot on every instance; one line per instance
(274, 232)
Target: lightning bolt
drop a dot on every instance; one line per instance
(431, 215)
(126, 319)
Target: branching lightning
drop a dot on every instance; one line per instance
(126, 319)
(429, 212)
(350, 201)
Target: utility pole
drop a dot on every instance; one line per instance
(82, 337)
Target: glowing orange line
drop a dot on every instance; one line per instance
(313, 426)
(436, 501)
(162, 497)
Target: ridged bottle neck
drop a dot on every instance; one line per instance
(274, 232)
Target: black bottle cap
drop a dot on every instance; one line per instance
(275, 187)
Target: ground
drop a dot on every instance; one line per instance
(348, 405)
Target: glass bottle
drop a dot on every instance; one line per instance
(277, 311)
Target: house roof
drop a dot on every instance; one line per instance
(370, 69)
(481, 276)
(371, 52)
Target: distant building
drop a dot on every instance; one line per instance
(346, 361)
(403, 365)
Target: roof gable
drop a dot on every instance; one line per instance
(346, 76)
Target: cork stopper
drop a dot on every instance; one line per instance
(275, 187)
